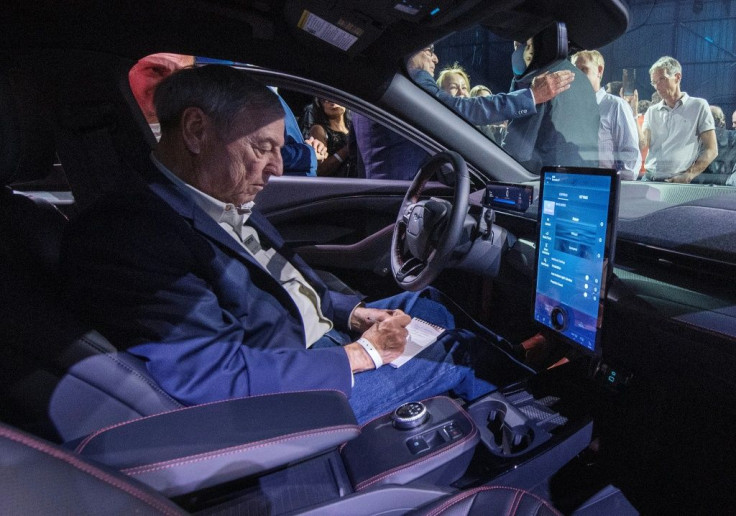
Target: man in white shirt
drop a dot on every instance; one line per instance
(618, 141)
(679, 130)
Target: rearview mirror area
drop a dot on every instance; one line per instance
(545, 48)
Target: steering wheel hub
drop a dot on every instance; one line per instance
(427, 231)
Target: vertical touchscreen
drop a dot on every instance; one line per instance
(577, 214)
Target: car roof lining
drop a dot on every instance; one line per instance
(243, 31)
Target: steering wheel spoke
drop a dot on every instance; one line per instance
(411, 268)
(407, 209)
(427, 231)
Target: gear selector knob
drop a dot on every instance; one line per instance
(410, 415)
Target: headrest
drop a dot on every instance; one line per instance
(27, 146)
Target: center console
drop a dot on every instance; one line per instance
(528, 431)
(524, 433)
(538, 420)
(430, 441)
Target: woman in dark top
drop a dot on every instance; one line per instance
(333, 128)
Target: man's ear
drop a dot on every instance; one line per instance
(194, 128)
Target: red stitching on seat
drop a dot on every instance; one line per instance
(138, 470)
(369, 482)
(101, 431)
(515, 503)
(459, 498)
(82, 466)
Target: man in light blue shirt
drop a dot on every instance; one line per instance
(618, 139)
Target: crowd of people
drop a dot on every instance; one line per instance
(633, 136)
(532, 122)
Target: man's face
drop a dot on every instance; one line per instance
(591, 70)
(668, 86)
(733, 120)
(425, 59)
(147, 73)
(234, 167)
(455, 85)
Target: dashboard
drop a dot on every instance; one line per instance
(675, 251)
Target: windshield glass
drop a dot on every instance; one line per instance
(653, 112)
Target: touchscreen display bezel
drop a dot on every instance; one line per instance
(560, 329)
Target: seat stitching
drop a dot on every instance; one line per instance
(515, 503)
(128, 368)
(459, 498)
(99, 432)
(386, 474)
(88, 469)
(138, 470)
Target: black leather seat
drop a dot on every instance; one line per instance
(58, 377)
(62, 482)
(490, 500)
(37, 477)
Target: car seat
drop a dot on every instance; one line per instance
(62, 482)
(58, 377)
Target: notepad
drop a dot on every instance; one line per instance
(421, 335)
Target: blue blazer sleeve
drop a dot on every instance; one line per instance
(482, 110)
(209, 324)
(298, 157)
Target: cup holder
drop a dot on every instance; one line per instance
(504, 431)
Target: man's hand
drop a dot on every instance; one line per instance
(548, 85)
(682, 177)
(319, 148)
(708, 152)
(363, 318)
(388, 336)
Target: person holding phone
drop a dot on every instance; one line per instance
(618, 141)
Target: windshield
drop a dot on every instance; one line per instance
(653, 112)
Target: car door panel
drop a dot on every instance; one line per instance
(338, 223)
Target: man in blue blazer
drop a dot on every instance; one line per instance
(388, 155)
(495, 108)
(187, 276)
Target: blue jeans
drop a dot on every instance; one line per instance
(447, 365)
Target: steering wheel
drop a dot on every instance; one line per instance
(426, 232)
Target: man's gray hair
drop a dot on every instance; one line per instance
(670, 65)
(220, 91)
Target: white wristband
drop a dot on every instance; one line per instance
(337, 157)
(371, 350)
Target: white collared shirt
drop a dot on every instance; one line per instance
(233, 220)
(674, 142)
(618, 137)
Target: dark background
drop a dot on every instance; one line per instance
(699, 34)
